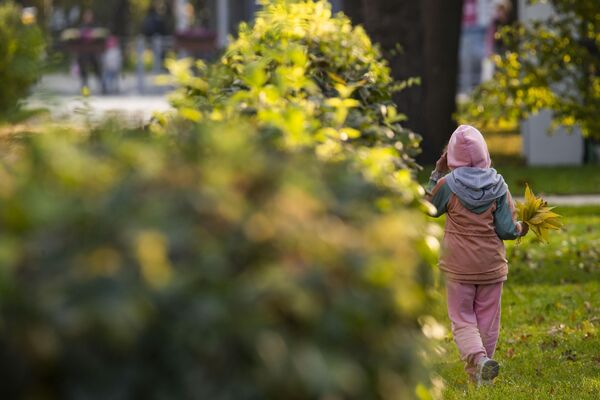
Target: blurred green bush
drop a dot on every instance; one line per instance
(203, 263)
(267, 242)
(311, 80)
(21, 50)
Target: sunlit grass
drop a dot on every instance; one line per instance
(549, 343)
(544, 180)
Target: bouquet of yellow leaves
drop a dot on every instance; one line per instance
(540, 218)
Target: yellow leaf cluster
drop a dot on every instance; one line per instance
(540, 218)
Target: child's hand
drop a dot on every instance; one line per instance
(524, 228)
(442, 164)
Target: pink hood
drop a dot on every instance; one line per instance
(467, 148)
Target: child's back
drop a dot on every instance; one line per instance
(480, 214)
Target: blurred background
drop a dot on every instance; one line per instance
(196, 206)
(117, 47)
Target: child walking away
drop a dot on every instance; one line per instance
(480, 214)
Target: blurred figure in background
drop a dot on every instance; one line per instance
(154, 28)
(472, 43)
(89, 58)
(482, 19)
(501, 17)
(112, 62)
(153, 23)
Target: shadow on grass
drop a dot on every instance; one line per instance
(547, 346)
(571, 256)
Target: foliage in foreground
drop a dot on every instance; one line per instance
(312, 80)
(278, 255)
(553, 64)
(21, 49)
(204, 263)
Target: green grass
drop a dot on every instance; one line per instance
(544, 180)
(549, 345)
(552, 180)
(505, 149)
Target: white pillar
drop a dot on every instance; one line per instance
(157, 44)
(336, 5)
(182, 22)
(222, 22)
(140, 47)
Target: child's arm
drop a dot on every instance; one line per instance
(438, 194)
(507, 227)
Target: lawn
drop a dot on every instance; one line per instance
(505, 148)
(549, 343)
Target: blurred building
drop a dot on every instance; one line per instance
(540, 147)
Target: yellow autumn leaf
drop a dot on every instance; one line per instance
(536, 213)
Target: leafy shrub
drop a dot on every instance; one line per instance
(308, 80)
(21, 48)
(241, 256)
(204, 263)
(312, 80)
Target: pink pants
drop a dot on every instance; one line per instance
(475, 314)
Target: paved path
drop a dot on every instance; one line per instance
(571, 200)
(60, 94)
(137, 108)
(129, 85)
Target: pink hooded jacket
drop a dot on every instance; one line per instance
(467, 148)
(480, 212)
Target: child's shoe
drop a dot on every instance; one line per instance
(487, 370)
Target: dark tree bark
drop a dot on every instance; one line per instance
(121, 19)
(428, 32)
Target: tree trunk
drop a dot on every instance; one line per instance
(121, 19)
(428, 32)
(442, 22)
